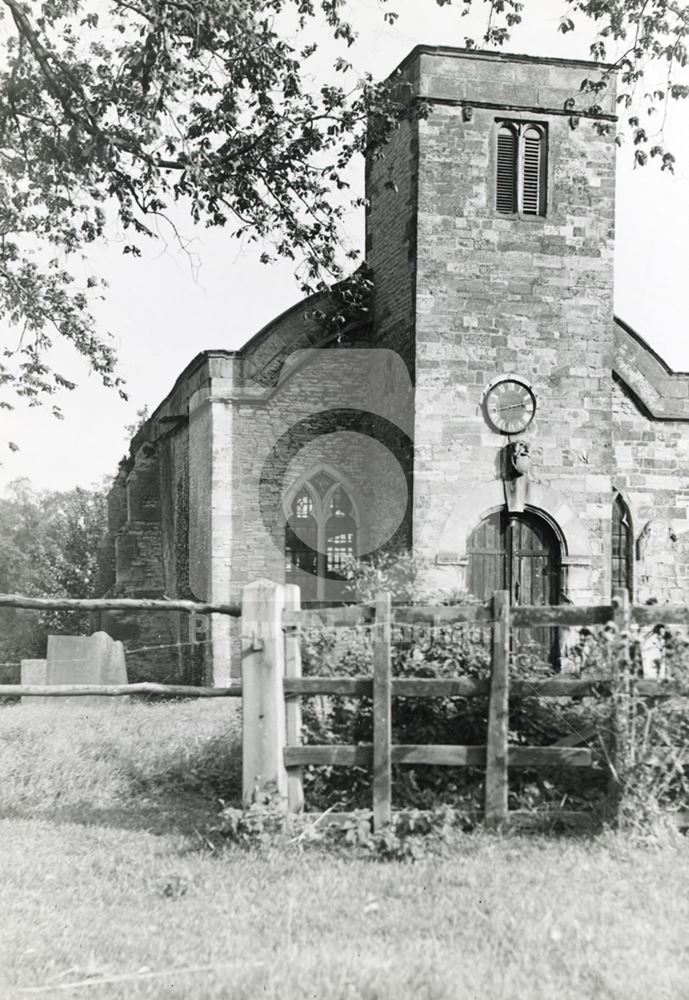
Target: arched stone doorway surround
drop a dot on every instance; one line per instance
(476, 503)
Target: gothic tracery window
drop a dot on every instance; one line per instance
(340, 533)
(301, 535)
(622, 546)
(320, 536)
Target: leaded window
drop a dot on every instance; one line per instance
(622, 547)
(320, 537)
(301, 542)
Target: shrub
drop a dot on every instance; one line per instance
(410, 835)
(255, 825)
(441, 651)
(655, 777)
(432, 720)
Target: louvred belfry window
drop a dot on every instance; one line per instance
(520, 169)
(532, 172)
(506, 196)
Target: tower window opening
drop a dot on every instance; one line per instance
(520, 182)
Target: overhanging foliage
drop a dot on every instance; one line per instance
(124, 107)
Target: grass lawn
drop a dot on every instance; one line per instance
(105, 884)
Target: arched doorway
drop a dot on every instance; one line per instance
(519, 553)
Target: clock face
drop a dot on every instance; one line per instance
(509, 405)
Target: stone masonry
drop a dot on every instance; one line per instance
(463, 294)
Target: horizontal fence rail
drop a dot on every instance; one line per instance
(598, 614)
(117, 690)
(500, 688)
(442, 614)
(659, 614)
(521, 615)
(272, 686)
(359, 687)
(465, 687)
(438, 754)
(116, 604)
(336, 617)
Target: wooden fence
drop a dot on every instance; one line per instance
(271, 677)
(272, 686)
(117, 604)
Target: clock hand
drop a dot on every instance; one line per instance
(512, 406)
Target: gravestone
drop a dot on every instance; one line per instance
(85, 659)
(33, 672)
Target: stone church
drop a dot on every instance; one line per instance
(488, 412)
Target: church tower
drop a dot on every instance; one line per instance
(527, 440)
(491, 237)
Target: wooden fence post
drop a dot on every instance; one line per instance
(263, 700)
(621, 704)
(498, 714)
(295, 783)
(382, 714)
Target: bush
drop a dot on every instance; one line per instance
(432, 720)
(441, 651)
(655, 777)
(409, 836)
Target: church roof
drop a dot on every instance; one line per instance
(657, 390)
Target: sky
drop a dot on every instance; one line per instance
(166, 307)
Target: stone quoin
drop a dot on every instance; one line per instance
(489, 412)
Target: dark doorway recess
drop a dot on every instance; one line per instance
(519, 553)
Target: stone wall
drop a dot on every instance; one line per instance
(146, 552)
(331, 412)
(463, 294)
(152, 640)
(652, 474)
(392, 186)
(498, 294)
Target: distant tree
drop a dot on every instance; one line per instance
(119, 108)
(48, 548)
(142, 416)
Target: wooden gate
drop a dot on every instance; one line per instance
(519, 553)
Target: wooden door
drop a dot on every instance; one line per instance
(519, 553)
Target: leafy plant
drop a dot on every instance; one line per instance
(255, 825)
(656, 773)
(651, 771)
(419, 651)
(409, 836)
(114, 111)
(416, 652)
